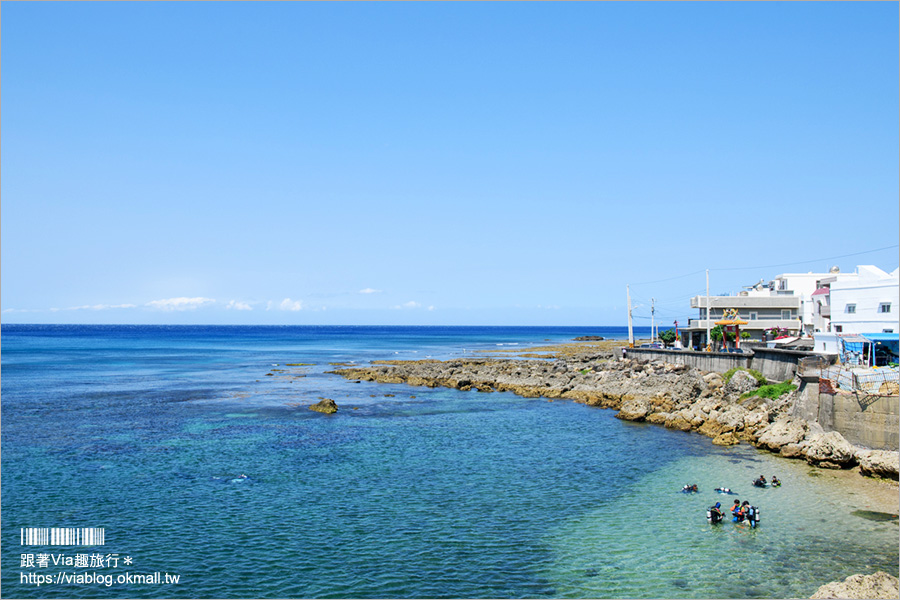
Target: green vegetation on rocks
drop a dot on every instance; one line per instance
(759, 377)
(773, 392)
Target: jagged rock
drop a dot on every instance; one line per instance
(877, 585)
(756, 419)
(635, 409)
(713, 379)
(791, 451)
(711, 428)
(677, 421)
(658, 418)
(726, 439)
(781, 433)
(326, 405)
(830, 451)
(732, 418)
(740, 383)
(879, 463)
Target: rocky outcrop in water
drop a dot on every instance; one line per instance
(878, 585)
(879, 463)
(675, 396)
(326, 405)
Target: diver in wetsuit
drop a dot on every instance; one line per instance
(714, 513)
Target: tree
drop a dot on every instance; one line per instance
(716, 334)
(667, 337)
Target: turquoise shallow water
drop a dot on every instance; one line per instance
(425, 493)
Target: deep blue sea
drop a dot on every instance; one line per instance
(404, 493)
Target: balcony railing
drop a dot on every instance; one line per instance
(755, 324)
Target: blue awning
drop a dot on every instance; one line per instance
(882, 337)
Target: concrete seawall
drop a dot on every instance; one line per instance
(775, 364)
(869, 421)
(718, 362)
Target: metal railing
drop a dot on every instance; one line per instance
(884, 381)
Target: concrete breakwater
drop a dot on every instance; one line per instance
(676, 396)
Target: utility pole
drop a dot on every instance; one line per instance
(708, 315)
(630, 329)
(652, 319)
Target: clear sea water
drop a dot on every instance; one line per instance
(404, 493)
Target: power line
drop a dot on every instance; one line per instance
(806, 261)
(803, 262)
(669, 279)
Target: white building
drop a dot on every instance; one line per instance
(786, 302)
(866, 301)
(803, 286)
(762, 311)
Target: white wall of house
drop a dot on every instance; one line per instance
(867, 301)
(827, 343)
(802, 285)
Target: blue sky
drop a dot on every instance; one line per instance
(437, 163)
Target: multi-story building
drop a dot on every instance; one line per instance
(802, 285)
(761, 311)
(784, 303)
(865, 301)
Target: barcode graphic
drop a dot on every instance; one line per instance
(63, 536)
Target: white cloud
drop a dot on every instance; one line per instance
(431, 308)
(180, 303)
(235, 305)
(101, 306)
(292, 305)
(369, 291)
(410, 304)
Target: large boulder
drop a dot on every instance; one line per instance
(831, 451)
(713, 380)
(658, 418)
(326, 405)
(678, 421)
(879, 463)
(756, 419)
(791, 451)
(634, 409)
(732, 418)
(878, 585)
(781, 433)
(740, 383)
(726, 439)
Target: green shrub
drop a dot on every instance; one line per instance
(771, 392)
(667, 337)
(759, 377)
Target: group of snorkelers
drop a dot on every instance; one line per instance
(741, 512)
(761, 482)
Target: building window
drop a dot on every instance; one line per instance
(838, 328)
(754, 315)
(851, 309)
(884, 307)
(785, 314)
(702, 313)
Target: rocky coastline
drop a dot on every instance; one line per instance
(725, 409)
